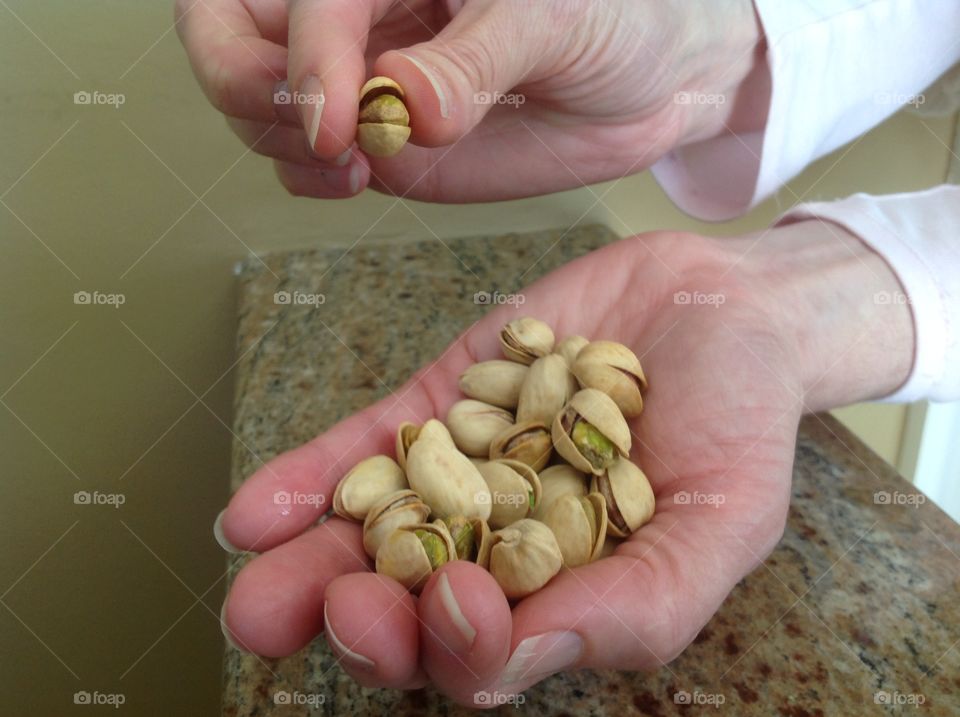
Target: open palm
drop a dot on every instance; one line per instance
(716, 439)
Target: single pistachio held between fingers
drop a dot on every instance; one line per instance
(526, 339)
(557, 481)
(446, 480)
(474, 425)
(366, 483)
(590, 432)
(546, 390)
(470, 536)
(570, 347)
(514, 490)
(383, 123)
(629, 497)
(528, 443)
(580, 527)
(412, 553)
(523, 557)
(615, 370)
(408, 433)
(391, 512)
(496, 382)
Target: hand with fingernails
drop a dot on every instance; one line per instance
(506, 99)
(729, 381)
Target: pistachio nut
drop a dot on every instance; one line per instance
(615, 370)
(524, 557)
(514, 491)
(383, 123)
(408, 432)
(470, 536)
(366, 483)
(590, 432)
(496, 382)
(528, 443)
(389, 513)
(555, 482)
(629, 497)
(446, 480)
(526, 339)
(410, 554)
(474, 425)
(579, 524)
(546, 390)
(570, 347)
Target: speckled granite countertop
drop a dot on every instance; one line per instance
(857, 605)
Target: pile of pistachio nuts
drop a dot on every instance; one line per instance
(531, 472)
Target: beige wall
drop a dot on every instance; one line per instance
(126, 599)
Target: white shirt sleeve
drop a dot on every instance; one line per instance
(919, 237)
(838, 68)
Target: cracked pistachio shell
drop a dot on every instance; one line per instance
(474, 425)
(598, 410)
(408, 433)
(446, 480)
(471, 537)
(555, 482)
(496, 382)
(526, 339)
(629, 497)
(528, 443)
(615, 370)
(579, 524)
(366, 483)
(570, 347)
(545, 390)
(389, 513)
(410, 554)
(514, 491)
(382, 119)
(524, 557)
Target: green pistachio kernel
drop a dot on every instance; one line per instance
(593, 445)
(434, 546)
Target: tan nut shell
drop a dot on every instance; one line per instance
(580, 527)
(403, 557)
(366, 483)
(524, 557)
(381, 137)
(496, 382)
(570, 347)
(389, 513)
(555, 482)
(545, 390)
(474, 425)
(510, 483)
(526, 339)
(627, 492)
(598, 409)
(446, 480)
(615, 370)
(528, 443)
(408, 433)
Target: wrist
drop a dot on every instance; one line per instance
(843, 308)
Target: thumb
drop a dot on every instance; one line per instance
(453, 80)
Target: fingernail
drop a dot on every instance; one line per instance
(342, 160)
(540, 656)
(226, 633)
(463, 627)
(220, 537)
(283, 102)
(432, 78)
(354, 178)
(310, 105)
(344, 653)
